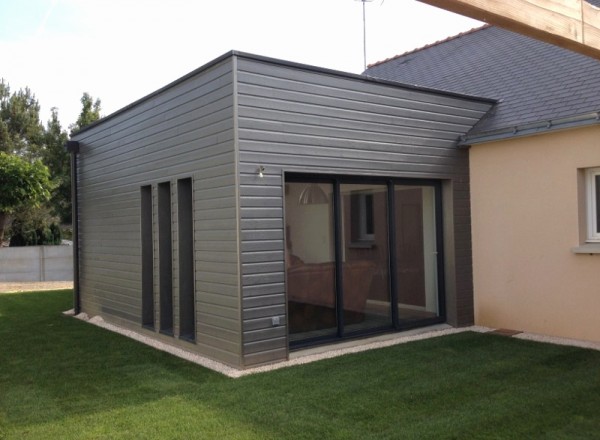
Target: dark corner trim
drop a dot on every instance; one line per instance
(73, 148)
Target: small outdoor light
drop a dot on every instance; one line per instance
(261, 171)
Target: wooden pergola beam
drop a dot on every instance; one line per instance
(572, 24)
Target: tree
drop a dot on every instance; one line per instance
(90, 112)
(21, 184)
(57, 159)
(21, 131)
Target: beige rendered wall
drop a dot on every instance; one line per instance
(526, 218)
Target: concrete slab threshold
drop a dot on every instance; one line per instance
(313, 354)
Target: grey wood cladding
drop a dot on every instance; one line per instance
(186, 131)
(294, 120)
(217, 126)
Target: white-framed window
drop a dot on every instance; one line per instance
(592, 188)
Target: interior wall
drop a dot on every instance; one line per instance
(526, 217)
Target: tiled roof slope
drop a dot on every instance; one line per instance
(533, 81)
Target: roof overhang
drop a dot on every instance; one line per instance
(530, 129)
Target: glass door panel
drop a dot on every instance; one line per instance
(365, 257)
(416, 253)
(310, 260)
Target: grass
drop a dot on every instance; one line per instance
(61, 378)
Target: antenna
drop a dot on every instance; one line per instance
(364, 32)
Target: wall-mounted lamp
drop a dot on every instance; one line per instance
(261, 171)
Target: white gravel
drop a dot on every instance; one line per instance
(318, 353)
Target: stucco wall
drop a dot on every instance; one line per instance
(526, 218)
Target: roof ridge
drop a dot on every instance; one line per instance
(427, 46)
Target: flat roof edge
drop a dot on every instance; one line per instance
(276, 61)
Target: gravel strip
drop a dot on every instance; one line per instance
(300, 357)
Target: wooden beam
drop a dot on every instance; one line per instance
(572, 24)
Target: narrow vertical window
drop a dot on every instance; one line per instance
(165, 255)
(593, 204)
(186, 260)
(147, 257)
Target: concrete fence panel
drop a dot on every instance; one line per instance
(36, 263)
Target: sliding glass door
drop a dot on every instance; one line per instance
(362, 255)
(310, 260)
(365, 257)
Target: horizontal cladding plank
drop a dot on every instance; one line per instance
(217, 256)
(218, 332)
(120, 313)
(403, 137)
(215, 213)
(163, 116)
(283, 145)
(215, 310)
(263, 267)
(262, 323)
(151, 150)
(177, 166)
(260, 201)
(169, 98)
(309, 103)
(347, 123)
(253, 108)
(218, 322)
(262, 246)
(249, 188)
(218, 299)
(106, 283)
(195, 123)
(206, 196)
(262, 234)
(105, 234)
(102, 302)
(225, 201)
(225, 224)
(266, 212)
(210, 243)
(261, 223)
(265, 334)
(203, 286)
(233, 359)
(102, 245)
(265, 357)
(261, 312)
(116, 293)
(285, 77)
(265, 345)
(172, 160)
(132, 259)
(220, 342)
(218, 267)
(263, 256)
(263, 301)
(352, 91)
(217, 278)
(330, 164)
(263, 289)
(263, 278)
(112, 265)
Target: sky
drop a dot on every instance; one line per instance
(122, 50)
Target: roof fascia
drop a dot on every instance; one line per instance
(531, 129)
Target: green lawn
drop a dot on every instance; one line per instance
(61, 378)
